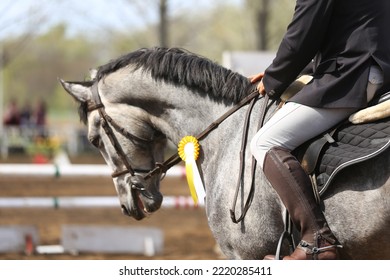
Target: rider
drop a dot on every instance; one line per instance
(350, 45)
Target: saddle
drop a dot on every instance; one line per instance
(365, 135)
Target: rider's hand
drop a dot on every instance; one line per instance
(255, 79)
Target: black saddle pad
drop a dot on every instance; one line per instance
(353, 144)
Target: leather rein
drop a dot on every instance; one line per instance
(109, 124)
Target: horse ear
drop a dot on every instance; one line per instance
(93, 73)
(81, 91)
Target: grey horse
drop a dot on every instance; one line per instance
(158, 95)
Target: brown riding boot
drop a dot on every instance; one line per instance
(294, 188)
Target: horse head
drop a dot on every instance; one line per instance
(131, 106)
(128, 144)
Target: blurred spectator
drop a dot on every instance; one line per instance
(12, 114)
(25, 115)
(40, 118)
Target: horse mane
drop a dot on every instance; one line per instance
(183, 68)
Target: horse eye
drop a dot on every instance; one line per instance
(95, 141)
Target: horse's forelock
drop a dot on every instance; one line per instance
(183, 68)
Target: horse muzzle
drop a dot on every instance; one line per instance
(143, 199)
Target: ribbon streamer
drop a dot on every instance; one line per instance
(188, 149)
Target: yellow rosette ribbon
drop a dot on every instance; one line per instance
(188, 149)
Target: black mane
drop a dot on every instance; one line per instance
(183, 68)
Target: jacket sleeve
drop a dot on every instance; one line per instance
(299, 45)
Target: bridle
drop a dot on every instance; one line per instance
(109, 124)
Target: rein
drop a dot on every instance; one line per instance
(175, 159)
(242, 162)
(162, 168)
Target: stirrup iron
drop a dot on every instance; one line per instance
(286, 235)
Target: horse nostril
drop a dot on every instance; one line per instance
(124, 210)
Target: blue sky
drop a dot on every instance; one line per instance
(17, 16)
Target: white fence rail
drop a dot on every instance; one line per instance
(68, 170)
(179, 202)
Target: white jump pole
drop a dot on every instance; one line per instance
(69, 170)
(86, 202)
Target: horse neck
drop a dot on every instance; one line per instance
(188, 114)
